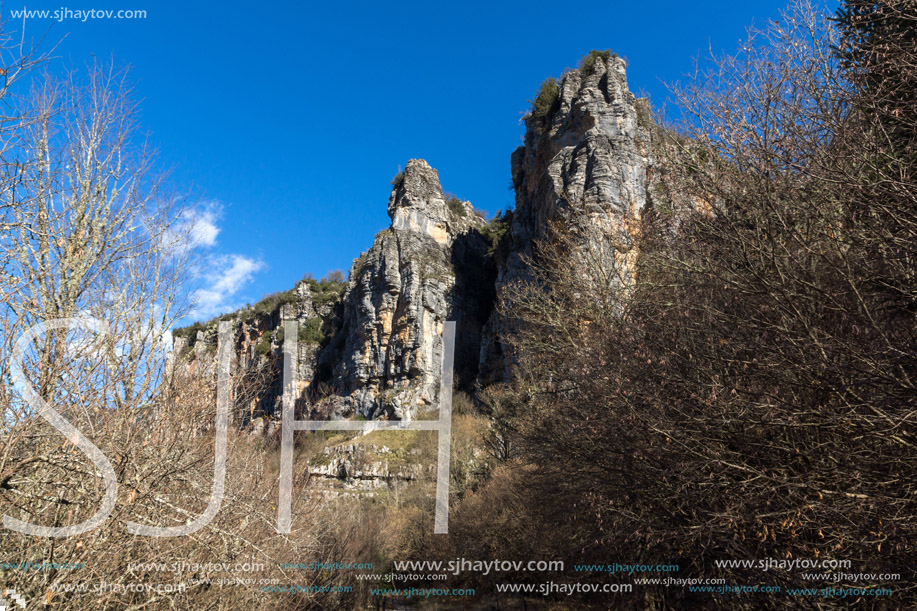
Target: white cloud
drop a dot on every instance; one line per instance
(195, 227)
(219, 277)
(203, 229)
(231, 273)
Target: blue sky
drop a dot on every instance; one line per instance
(290, 119)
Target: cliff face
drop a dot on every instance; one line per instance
(583, 165)
(376, 343)
(257, 364)
(388, 352)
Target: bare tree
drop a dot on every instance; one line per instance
(88, 232)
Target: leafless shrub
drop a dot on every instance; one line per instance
(752, 394)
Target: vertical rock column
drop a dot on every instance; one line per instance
(400, 292)
(583, 165)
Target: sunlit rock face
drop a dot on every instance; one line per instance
(388, 352)
(378, 348)
(583, 165)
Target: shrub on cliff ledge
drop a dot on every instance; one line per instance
(587, 64)
(271, 303)
(311, 332)
(189, 332)
(495, 229)
(547, 96)
(264, 344)
(456, 205)
(328, 289)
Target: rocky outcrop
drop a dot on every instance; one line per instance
(418, 274)
(257, 356)
(583, 165)
(367, 466)
(377, 347)
(375, 344)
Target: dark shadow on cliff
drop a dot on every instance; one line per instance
(473, 298)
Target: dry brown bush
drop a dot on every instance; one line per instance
(753, 394)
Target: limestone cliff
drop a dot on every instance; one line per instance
(374, 345)
(377, 348)
(426, 269)
(583, 165)
(257, 365)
